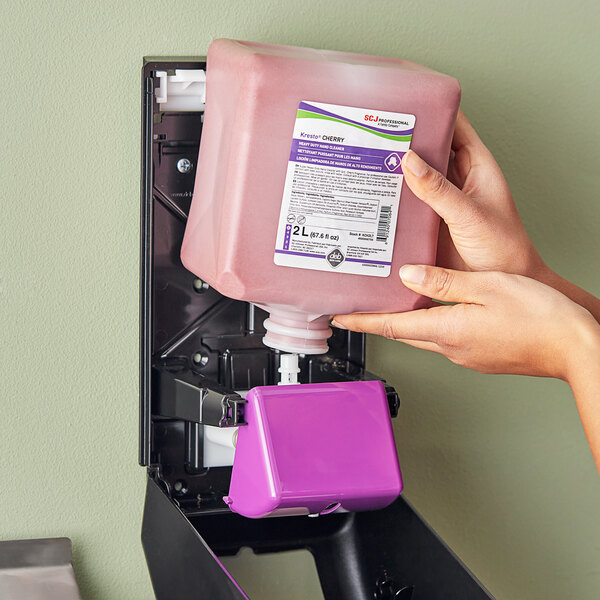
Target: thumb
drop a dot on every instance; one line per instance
(445, 284)
(434, 189)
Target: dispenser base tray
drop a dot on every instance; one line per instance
(384, 554)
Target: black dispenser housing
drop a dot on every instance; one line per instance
(196, 349)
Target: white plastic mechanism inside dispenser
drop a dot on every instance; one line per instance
(185, 90)
(219, 446)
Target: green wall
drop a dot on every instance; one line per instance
(497, 464)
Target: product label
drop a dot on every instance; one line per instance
(342, 189)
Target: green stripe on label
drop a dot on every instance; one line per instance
(305, 114)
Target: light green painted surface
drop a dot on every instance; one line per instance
(498, 465)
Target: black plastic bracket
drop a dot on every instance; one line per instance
(188, 401)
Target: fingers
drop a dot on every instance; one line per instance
(382, 325)
(468, 145)
(464, 134)
(426, 324)
(447, 254)
(435, 190)
(429, 328)
(445, 284)
(412, 327)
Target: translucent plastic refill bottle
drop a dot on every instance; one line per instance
(298, 204)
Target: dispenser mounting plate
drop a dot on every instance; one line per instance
(194, 342)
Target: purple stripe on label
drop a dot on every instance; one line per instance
(300, 253)
(287, 238)
(320, 111)
(346, 157)
(357, 260)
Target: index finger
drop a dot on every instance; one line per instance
(423, 325)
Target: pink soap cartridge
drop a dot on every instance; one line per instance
(299, 204)
(315, 449)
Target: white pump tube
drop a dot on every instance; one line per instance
(288, 369)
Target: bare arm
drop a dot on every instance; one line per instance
(514, 314)
(570, 290)
(502, 323)
(585, 383)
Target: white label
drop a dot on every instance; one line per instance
(342, 189)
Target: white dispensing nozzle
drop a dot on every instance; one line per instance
(289, 369)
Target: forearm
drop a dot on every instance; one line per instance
(570, 290)
(585, 383)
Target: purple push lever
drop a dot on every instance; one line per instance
(315, 449)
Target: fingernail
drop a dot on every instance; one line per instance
(413, 274)
(415, 164)
(334, 323)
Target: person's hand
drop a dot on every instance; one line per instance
(482, 230)
(502, 323)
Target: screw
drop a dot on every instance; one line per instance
(184, 165)
(180, 487)
(199, 359)
(199, 285)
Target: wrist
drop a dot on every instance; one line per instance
(583, 352)
(540, 271)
